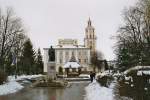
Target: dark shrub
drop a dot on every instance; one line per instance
(3, 77)
(105, 80)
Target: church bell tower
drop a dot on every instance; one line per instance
(90, 37)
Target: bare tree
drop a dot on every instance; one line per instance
(11, 34)
(95, 59)
(133, 40)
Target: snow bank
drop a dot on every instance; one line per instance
(10, 87)
(146, 72)
(12, 78)
(84, 75)
(96, 92)
(136, 68)
(105, 73)
(117, 74)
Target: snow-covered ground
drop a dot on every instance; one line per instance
(12, 86)
(12, 78)
(137, 68)
(104, 73)
(84, 75)
(96, 92)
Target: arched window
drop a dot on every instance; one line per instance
(90, 36)
(60, 70)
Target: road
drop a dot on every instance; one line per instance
(74, 92)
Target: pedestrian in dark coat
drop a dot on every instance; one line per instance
(91, 76)
(94, 75)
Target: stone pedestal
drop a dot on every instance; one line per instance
(51, 70)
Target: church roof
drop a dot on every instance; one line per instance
(68, 47)
(71, 46)
(73, 59)
(71, 65)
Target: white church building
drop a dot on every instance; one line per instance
(66, 49)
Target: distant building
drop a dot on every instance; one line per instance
(66, 48)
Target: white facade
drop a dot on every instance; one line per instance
(63, 55)
(68, 47)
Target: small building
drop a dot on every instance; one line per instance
(72, 67)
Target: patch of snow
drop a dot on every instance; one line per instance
(71, 65)
(12, 78)
(145, 89)
(132, 85)
(146, 72)
(10, 87)
(102, 74)
(128, 78)
(136, 68)
(84, 75)
(117, 74)
(79, 82)
(96, 92)
(126, 82)
(75, 78)
(69, 46)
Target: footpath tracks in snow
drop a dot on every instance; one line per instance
(96, 92)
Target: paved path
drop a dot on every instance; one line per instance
(74, 92)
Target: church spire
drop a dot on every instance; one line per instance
(90, 37)
(89, 22)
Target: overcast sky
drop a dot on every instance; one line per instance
(46, 21)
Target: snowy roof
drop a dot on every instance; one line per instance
(71, 65)
(136, 68)
(69, 46)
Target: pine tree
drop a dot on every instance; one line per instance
(28, 58)
(39, 63)
(123, 59)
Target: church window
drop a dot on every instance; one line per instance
(85, 69)
(85, 60)
(79, 60)
(72, 52)
(86, 30)
(85, 53)
(60, 70)
(60, 53)
(79, 53)
(90, 47)
(87, 36)
(67, 53)
(52, 67)
(60, 60)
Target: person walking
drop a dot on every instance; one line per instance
(94, 74)
(91, 76)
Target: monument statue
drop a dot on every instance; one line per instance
(51, 53)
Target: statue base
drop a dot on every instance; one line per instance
(51, 70)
